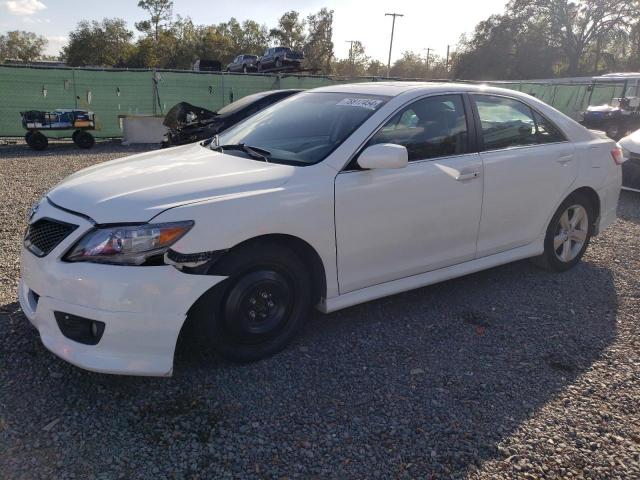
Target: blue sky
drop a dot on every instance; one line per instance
(425, 24)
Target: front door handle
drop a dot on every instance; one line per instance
(467, 176)
(565, 159)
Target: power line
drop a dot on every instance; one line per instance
(393, 26)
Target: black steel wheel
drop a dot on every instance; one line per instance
(37, 141)
(258, 306)
(83, 139)
(261, 306)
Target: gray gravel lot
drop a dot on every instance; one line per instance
(512, 372)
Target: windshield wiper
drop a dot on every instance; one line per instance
(254, 152)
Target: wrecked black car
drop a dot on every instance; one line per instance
(188, 123)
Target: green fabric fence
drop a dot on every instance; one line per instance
(115, 93)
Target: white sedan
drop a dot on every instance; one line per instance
(330, 198)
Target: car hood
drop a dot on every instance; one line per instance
(139, 187)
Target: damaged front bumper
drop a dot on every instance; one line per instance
(141, 309)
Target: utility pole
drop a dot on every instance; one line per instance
(393, 26)
(447, 64)
(351, 61)
(350, 42)
(428, 56)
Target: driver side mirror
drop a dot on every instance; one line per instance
(384, 155)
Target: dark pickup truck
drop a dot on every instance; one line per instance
(243, 63)
(280, 57)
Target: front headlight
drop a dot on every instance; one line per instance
(127, 244)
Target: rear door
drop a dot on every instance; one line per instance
(395, 223)
(528, 167)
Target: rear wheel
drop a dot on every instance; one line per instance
(37, 141)
(263, 304)
(614, 131)
(568, 234)
(83, 139)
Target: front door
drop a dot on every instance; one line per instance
(392, 224)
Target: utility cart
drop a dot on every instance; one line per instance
(79, 121)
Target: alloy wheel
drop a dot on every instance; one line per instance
(571, 233)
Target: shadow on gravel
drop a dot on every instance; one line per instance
(629, 206)
(425, 383)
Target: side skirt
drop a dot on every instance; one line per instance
(429, 278)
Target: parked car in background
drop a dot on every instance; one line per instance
(280, 57)
(329, 198)
(631, 168)
(244, 64)
(188, 123)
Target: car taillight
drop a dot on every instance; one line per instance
(617, 155)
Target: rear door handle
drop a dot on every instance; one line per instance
(564, 159)
(467, 176)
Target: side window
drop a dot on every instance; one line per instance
(547, 132)
(509, 123)
(505, 122)
(429, 128)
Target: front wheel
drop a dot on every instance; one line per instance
(260, 308)
(37, 140)
(568, 234)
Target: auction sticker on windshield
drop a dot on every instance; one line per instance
(370, 103)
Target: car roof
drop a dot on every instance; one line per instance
(395, 88)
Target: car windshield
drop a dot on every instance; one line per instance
(305, 128)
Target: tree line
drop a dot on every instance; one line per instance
(553, 38)
(530, 39)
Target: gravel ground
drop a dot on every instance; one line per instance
(512, 372)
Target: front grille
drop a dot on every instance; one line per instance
(45, 234)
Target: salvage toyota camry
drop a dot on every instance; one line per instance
(330, 198)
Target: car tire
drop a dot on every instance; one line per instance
(614, 131)
(37, 141)
(83, 139)
(568, 234)
(261, 306)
